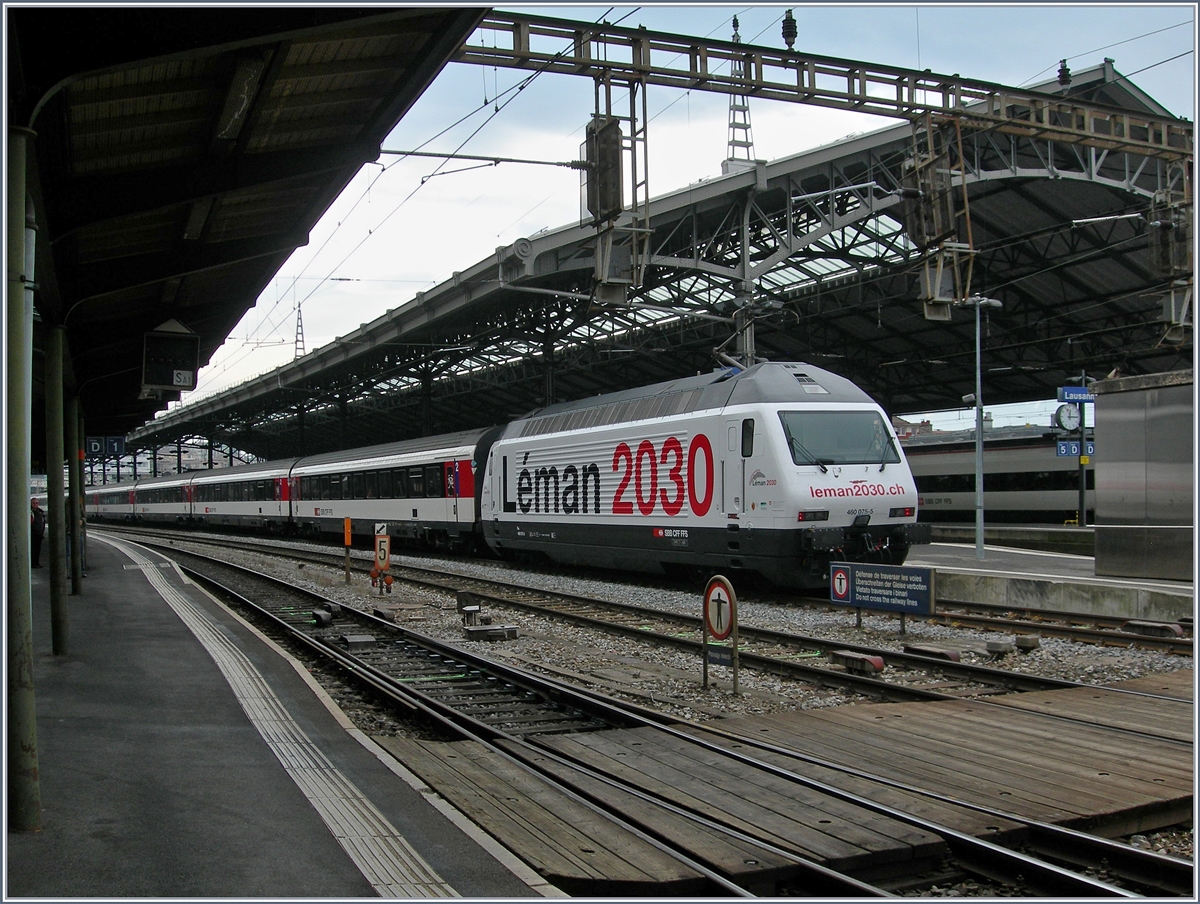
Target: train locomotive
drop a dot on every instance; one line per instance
(776, 470)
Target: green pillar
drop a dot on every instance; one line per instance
(75, 494)
(24, 789)
(55, 491)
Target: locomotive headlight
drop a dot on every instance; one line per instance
(812, 516)
(905, 511)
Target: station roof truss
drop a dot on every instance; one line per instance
(818, 246)
(180, 155)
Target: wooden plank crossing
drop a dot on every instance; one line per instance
(1105, 706)
(563, 840)
(557, 837)
(1181, 683)
(1077, 773)
(818, 827)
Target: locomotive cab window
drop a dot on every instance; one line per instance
(747, 437)
(838, 437)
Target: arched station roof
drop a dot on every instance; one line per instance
(179, 155)
(837, 283)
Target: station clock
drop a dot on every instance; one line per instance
(1067, 417)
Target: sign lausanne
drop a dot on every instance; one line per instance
(1075, 394)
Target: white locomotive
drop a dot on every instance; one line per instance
(777, 470)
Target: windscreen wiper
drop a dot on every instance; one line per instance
(891, 444)
(799, 447)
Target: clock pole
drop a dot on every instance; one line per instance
(1083, 460)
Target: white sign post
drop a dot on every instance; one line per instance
(720, 620)
(383, 558)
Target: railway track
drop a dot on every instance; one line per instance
(519, 715)
(925, 673)
(1114, 632)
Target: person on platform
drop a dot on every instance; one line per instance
(37, 527)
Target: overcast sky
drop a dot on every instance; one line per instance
(398, 228)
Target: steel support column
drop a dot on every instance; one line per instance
(56, 513)
(75, 496)
(83, 510)
(24, 789)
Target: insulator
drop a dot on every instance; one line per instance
(789, 29)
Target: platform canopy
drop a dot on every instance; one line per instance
(180, 154)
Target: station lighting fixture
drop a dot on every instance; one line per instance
(977, 302)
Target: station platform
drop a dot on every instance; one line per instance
(1056, 581)
(182, 754)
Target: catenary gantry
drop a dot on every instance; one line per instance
(819, 245)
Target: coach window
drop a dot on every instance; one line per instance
(399, 484)
(434, 485)
(335, 486)
(385, 484)
(260, 491)
(372, 484)
(360, 485)
(747, 437)
(416, 482)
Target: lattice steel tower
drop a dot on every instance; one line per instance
(741, 138)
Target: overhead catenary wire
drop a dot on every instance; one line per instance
(512, 92)
(1076, 56)
(517, 89)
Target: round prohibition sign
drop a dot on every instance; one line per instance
(840, 583)
(720, 607)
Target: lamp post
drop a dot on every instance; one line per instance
(977, 302)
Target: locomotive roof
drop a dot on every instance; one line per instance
(780, 382)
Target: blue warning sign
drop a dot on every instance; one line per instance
(893, 588)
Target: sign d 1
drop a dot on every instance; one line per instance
(1070, 448)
